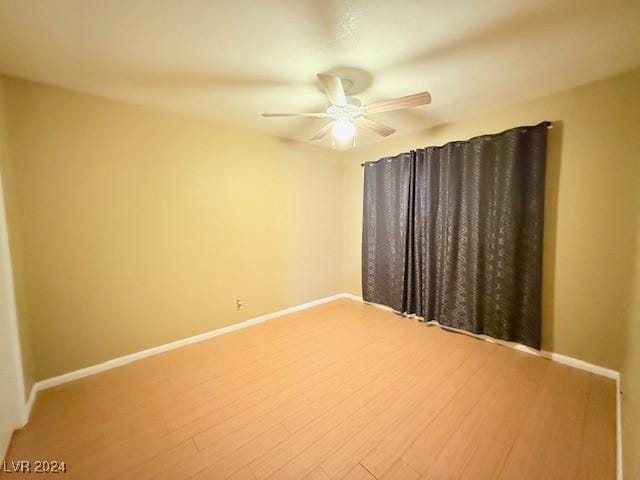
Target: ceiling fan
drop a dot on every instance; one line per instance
(346, 113)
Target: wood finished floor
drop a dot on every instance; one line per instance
(339, 391)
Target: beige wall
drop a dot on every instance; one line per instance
(590, 227)
(135, 227)
(7, 191)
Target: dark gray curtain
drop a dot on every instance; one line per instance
(453, 234)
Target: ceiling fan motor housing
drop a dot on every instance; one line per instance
(350, 112)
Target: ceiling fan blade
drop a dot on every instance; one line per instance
(332, 86)
(322, 132)
(409, 101)
(315, 114)
(375, 127)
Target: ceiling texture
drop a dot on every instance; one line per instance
(232, 60)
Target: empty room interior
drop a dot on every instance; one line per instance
(320, 240)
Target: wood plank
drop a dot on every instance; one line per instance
(486, 461)
(161, 462)
(598, 454)
(400, 471)
(357, 447)
(496, 396)
(385, 386)
(317, 474)
(243, 474)
(390, 449)
(222, 466)
(358, 472)
(549, 443)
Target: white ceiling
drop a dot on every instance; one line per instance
(234, 59)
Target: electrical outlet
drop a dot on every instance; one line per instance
(239, 304)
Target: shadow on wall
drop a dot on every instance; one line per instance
(549, 249)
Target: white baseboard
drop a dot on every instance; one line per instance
(582, 365)
(359, 299)
(116, 362)
(29, 403)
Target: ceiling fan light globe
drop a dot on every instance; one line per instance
(343, 130)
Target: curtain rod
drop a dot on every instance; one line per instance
(547, 123)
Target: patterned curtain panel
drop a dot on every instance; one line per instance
(453, 234)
